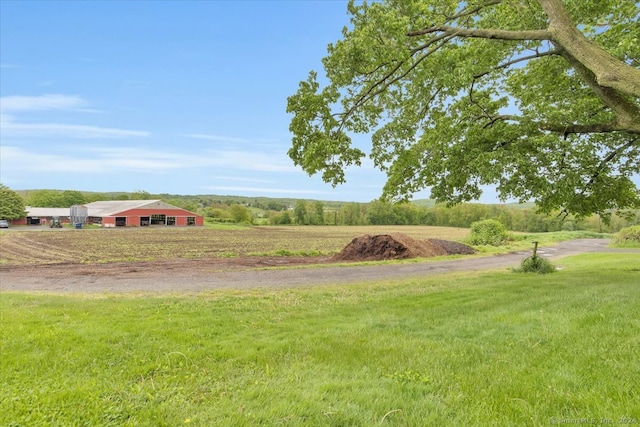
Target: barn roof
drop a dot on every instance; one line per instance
(103, 208)
(47, 212)
(113, 207)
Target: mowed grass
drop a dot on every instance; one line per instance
(494, 349)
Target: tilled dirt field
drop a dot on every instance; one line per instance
(35, 245)
(201, 275)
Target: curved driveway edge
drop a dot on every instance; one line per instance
(198, 281)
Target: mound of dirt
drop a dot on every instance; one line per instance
(453, 248)
(397, 246)
(387, 246)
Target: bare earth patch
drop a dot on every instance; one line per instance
(210, 274)
(364, 248)
(398, 246)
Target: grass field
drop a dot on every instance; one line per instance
(495, 349)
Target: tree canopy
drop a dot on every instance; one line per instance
(11, 204)
(539, 98)
(55, 198)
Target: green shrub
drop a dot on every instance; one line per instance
(628, 237)
(488, 232)
(535, 264)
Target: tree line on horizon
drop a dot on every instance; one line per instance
(462, 215)
(268, 211)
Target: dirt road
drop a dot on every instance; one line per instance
(208, 275)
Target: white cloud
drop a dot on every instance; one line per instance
(10, 105)
(217, 138)
(240, 179)
(253, 161)
(98, 160)
(16, 159)
(211, 159)
(231, 139)
(260, 155)
(264, 190)
(46, 83)
(16, 103)
(11, 128)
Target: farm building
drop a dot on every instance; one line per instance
(43, 216)
(139, 213)
(116, 213)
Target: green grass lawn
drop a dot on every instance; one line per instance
(468, 349)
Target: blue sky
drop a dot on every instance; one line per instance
(181, 97)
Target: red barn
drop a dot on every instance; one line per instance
(136, 213)
(43, 216)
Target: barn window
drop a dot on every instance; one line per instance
(191, 220)
(171, 220)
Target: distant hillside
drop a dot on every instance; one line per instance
(286, 210)
(250, 201)
(429, 203)
(205, 199)
(425, 203)
(208, 199)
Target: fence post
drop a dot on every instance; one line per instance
(535, 248)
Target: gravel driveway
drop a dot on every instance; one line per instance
(198, 276)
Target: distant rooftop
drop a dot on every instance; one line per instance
(112, 207)
(38, 212)
(101, 208)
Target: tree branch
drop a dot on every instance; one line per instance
(593, 128)
(607, 69)
(465, 12)
(429, 43)
(612, 154)
(382, 84)
(564, 129)
(484, 33)
(520, 59)
(627, 112)
(384, 64)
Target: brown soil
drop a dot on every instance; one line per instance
(398, 246)
(211, 274)
(453, 248)
(364, 248)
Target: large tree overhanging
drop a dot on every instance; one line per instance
(538, 97)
